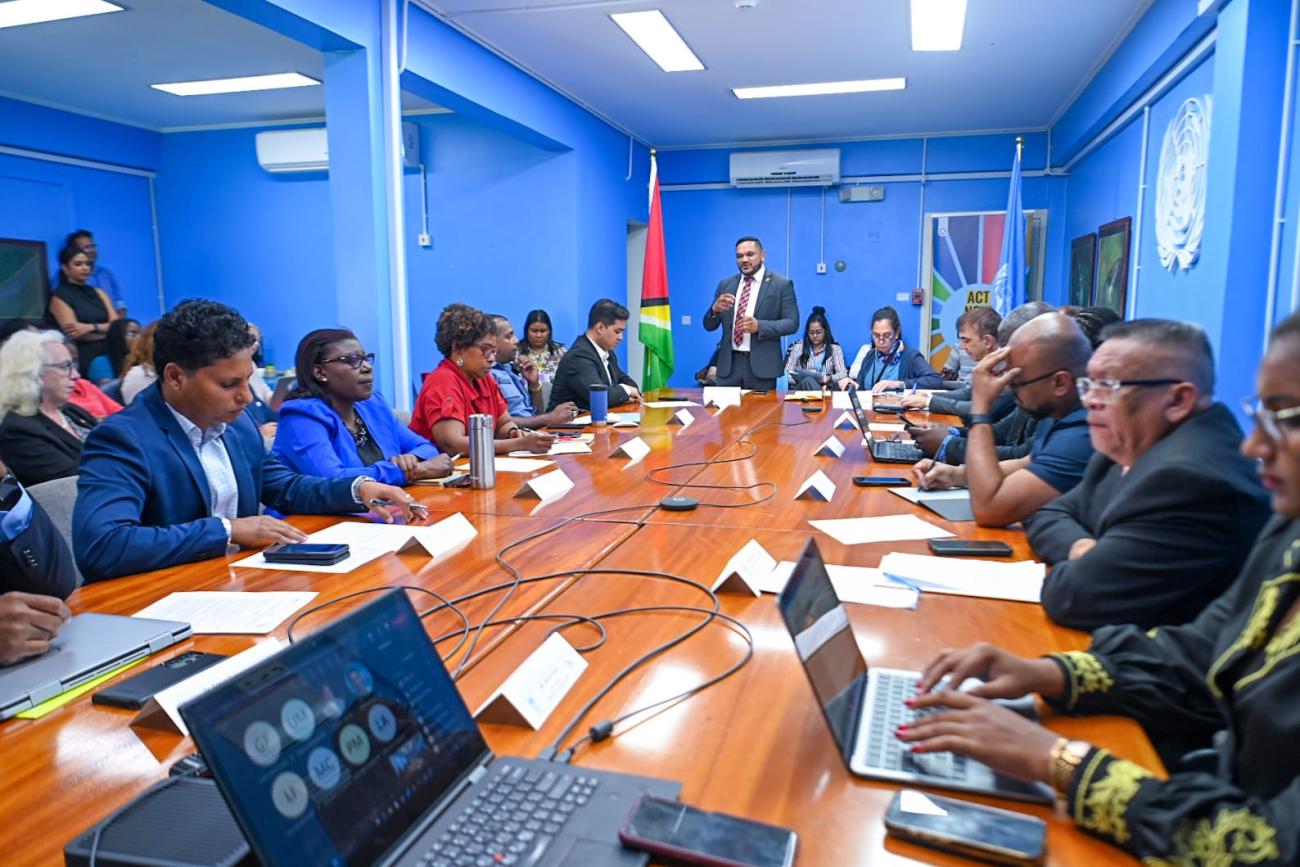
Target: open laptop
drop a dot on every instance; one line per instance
(353, 747)
(87, 646)
(884, 451)
(863, 707)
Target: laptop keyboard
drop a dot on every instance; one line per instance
(896, 451)
(886, 751)
(514, 818)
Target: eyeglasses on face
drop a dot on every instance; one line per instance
(1108, 389)
(67, 367)
(486, 348)
(353, 360)
(1016, 386)
(1273, 422)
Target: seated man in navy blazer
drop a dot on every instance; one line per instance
(590, 361)
(755, 308)
(36, 574)
(178, 476)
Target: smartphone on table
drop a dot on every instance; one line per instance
(688, 835)
(306, 553)
(968, 548)
(882, 482)
(974, 830)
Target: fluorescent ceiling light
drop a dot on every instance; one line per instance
(937, 25)
(866, 85)
(657, 38)
(275, 81)
(18, 12)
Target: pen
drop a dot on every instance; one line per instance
(456, 457)
(899, 579)
(419, 509)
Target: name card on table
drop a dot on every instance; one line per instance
(536, 687)
(162, 711)
(846, 421)
(746, 571)
(817, 487)
(682, 417)
(721, 396)
(635, 448)
(549, 486)
(832, 448)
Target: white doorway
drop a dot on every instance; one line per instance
(636, 234)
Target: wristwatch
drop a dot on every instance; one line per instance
(1067, 756)
(979, 418)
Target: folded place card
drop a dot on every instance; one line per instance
(746, 571)
(635, 448)
(818, 487)
(832, 448)
(162, 712)
(548, 486)
(840, 400)
(721, 396)
(682, 417)
(846, 421)
(528, 696)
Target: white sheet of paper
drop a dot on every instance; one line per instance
(162, 711)
(521, 465)
(858, 584)
(885, 427)
(563, 447)
(549, 486)
(840, 400)
(817, 487)
(224, 612)
(846, 421)
(665, 404)
(635, 448)
(1020, 581)
(887, 528)
(358, 556)
(831, 448)
(436, 539)
(533, 690)
(684, 418)
(721, 396)
(747, 569)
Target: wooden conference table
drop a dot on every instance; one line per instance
(755, 745)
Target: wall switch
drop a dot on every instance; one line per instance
(426, 240)
(821, 267)
(903, 296)
(686, 319)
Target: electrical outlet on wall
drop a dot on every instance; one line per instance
(425, 239)
(686, 319)
(821, 267)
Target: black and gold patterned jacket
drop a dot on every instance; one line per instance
(1236, 668)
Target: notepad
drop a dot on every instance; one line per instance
(951, 505)
(1020, 581)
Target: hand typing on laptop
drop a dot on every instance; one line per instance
(27, 623)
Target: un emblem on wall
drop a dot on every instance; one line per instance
(1180, 185)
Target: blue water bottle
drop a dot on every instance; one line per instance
(599, 403)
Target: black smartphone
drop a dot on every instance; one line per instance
(974, 830)
(881, 482)
(135, 691)
(306, 553)
(966, 547)
(691, 836)
(810, 408)
(566, 425)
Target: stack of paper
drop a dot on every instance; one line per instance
(220, 612)
(889, 528)
(368, 541)
(1020, 581)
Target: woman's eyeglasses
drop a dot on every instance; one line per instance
(1273, 422)
(66, 366)
(353, 360)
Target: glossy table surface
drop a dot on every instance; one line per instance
(755, 745)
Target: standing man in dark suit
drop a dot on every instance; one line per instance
(755, 308)
(591, 361)
(179, 475)
(1168, 508)
(36, 575)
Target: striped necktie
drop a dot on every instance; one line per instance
(736, 337)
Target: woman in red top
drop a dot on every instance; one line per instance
(462, 385)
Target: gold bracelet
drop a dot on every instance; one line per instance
(1066, 757)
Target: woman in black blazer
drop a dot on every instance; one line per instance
(41, 434)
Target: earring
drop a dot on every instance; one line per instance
(460, 362)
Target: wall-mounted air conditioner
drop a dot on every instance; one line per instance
(307, 150)
(811, 168)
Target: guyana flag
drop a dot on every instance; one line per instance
(656, 331)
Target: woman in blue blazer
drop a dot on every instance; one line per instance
(888, 363)
(335, 426)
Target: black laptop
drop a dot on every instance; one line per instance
(353, 747)
(884, 451)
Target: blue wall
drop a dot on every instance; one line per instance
(879, 241)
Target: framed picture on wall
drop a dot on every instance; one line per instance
(1111, 289)
(1083, 260)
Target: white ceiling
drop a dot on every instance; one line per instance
(1022, 61)
(103, 65)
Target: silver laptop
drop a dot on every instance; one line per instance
(354, 747)
(884, 451)
(863, 708)
(87, 646)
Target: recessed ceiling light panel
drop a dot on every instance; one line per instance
(243, 84)
(824, 88)
(938, 25)
(15, 13)
(656, 37)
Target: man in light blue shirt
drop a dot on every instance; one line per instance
(521, 383)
